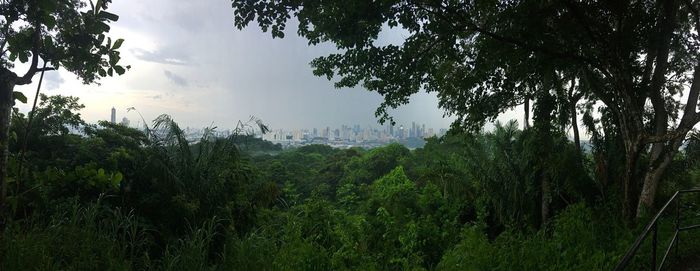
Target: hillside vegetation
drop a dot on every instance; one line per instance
(115, 198)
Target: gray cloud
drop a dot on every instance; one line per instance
(178, 80)
(238, 73)
(52, 80)
(161, 56)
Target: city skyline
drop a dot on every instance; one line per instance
(338, 135)
(347, 136)
(344, 131)
(115, 115)
(415, 130)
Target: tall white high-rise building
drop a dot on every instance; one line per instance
(114, 116)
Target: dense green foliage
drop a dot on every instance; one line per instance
(115, 198)
(637, 60)
(48, 35)
(78, 196)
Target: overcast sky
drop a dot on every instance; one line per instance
(188, 60)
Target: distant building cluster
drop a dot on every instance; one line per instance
(353, 136)
(113, 118)
(194, 134)
(345, 136)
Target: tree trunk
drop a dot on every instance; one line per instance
(6, 104)
(632, 153)
(656, 170)
(574, 125)
(662, 153)
(651, 182)
(526, 120)
(601, 168)
(546, 199)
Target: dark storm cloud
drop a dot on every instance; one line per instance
(176, 79)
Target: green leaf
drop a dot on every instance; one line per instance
(50, 22)
(117, 44)
(103, 27)
(19, 96)
(23, 57)
(114, 58)
(108, 16)
(110, 71)
(47, 5)
(98, 6)
(119, 69)
(117, 178)
(48, 44)
(102, 72)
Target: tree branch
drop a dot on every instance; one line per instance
(663, 46)
(533, 48)
(583, 21)
(46, 69)
(690, 115)
(658, 80)
(664, 137)
(33, 67)
(473, 26)
(4, 38)
(692, 103)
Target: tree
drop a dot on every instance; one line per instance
(58, 113)
(483, 57)
(50, 138)
(62, 33)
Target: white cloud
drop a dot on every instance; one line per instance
(176, 79)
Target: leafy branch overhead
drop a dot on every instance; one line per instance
(477, 56)
(639, 60)
(65, 33)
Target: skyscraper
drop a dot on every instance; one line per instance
(114, 116)
(412, 132)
